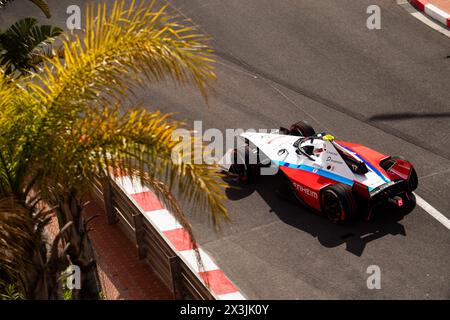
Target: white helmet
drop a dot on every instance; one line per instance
(313, 147)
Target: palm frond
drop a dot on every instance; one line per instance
(61, 128)
(17, 242)
(41, 4)
(24, 261)
(120, 46)
(140, 144)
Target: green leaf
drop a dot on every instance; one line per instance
(25, 43)
(41, 4)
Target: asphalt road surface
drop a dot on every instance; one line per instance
(283, 61)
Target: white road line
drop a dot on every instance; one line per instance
(433, 174)
(432, 211)
(240, 70)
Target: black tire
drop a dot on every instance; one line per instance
(246, 172)
(337, 203)
(409, 203)
(302, 128)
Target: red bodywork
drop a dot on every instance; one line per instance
(308, 185)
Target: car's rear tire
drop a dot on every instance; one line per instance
(302, 128)
(246, 171)
(337, 203)
(409, 203)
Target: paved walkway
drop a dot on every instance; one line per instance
(122, 274)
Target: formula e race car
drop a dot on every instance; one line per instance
(339, 179)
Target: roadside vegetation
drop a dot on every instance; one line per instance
(41, 4)
(62, 127)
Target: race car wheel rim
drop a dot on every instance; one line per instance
(332, 206)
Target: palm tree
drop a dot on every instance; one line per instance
(26, 263)
(41, 4)
(62, 128)
(29, 264)
(24, 44)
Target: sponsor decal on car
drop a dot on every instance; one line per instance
(332, 153)
(330, 159)
(305, 190)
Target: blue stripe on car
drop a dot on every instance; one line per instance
(381, 175)
(320, 172)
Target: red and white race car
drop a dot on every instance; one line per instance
(340, 179)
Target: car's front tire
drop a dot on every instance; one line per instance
(245, 171)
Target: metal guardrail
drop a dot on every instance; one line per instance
(151, 245)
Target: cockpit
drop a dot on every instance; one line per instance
(313, 147)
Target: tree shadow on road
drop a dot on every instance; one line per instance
(408, 115)
(355, 235)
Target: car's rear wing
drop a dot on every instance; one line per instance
(383, 192)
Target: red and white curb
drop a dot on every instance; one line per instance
(177, 237)
(432, 11)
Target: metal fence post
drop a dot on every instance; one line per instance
(175, 271)
(139, 232)
(111, 217)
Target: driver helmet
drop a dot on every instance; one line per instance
(319, 147)
(314, 147)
